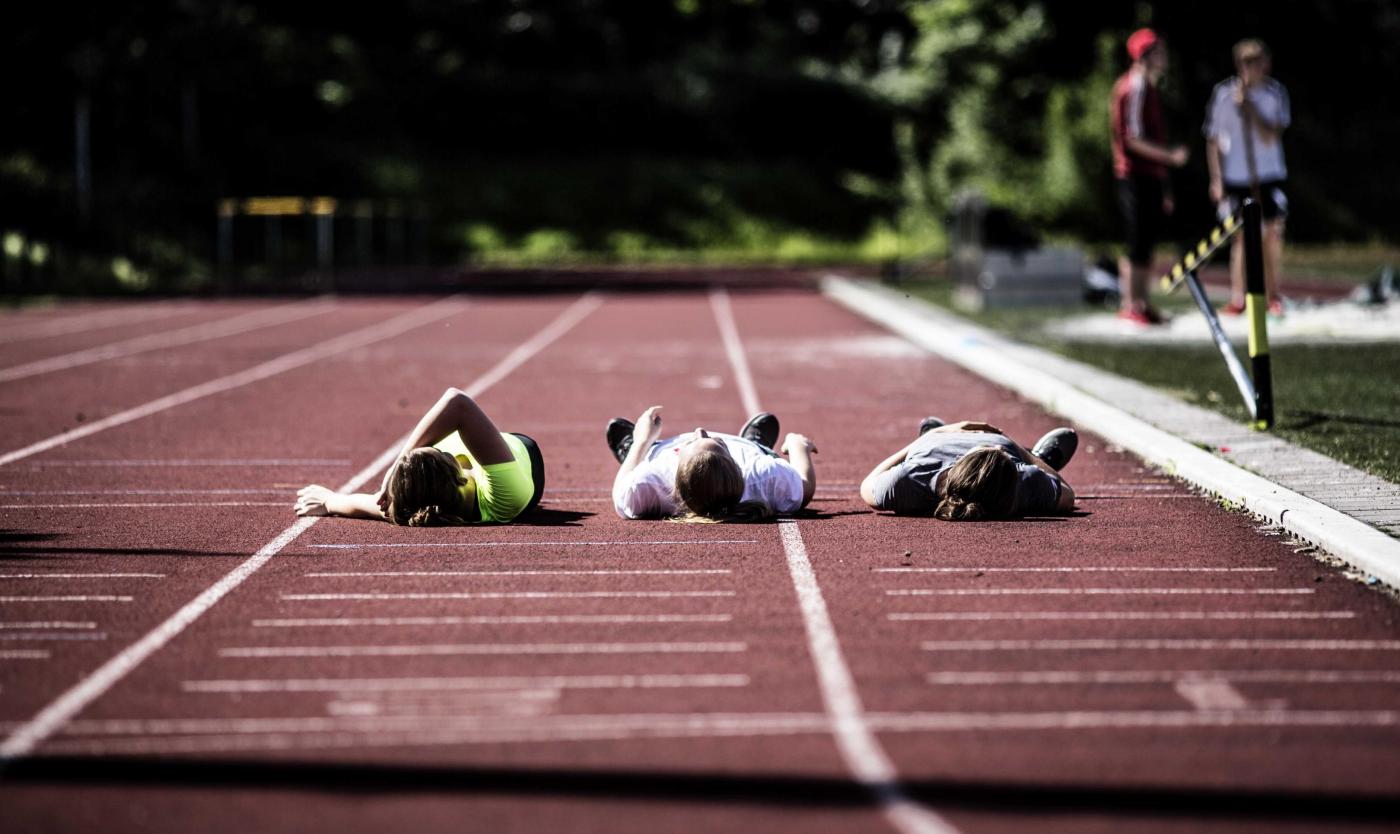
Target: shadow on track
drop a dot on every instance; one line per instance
(651, 786)
(543, 516)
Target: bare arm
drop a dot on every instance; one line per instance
(1173, 157)
(455, 411)
(799, 451)
(316, 500)
(1217, 188)
(647, 430)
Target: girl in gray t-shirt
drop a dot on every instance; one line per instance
(970, 471)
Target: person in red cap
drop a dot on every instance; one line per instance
(1141, 158)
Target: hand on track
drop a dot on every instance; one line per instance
(311, 500)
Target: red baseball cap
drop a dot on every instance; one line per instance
(1140, 42)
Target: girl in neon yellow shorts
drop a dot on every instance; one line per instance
(456, 468)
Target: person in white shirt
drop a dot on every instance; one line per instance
(709, 476)
(1244, 150)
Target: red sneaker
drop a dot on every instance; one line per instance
(1234, 308)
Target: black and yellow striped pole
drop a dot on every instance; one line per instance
(1256, 305)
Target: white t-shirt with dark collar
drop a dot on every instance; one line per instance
(649, 492)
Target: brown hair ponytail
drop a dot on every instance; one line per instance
(424, 491)
(981, 485)
(710, 486)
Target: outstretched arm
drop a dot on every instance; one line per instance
(318, 500)
(799, 451)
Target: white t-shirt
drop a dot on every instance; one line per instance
(1225, 125)
(649, 491)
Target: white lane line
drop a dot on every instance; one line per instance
(1210, 694)
(975, 592)
(513, 619)
(395, 326)
(11, 493)
(859, 748)
(1139, 676)
(633, 542)
(24, 654)
(347, 685)
(1158, 644)
(69, 598)
(734, 349)
(33, 625)
(447, 649)
(639, 572)
(202, 463)
(383, 731)
(52, 635)
(513, 595)
(206, 331)
(987, 616)
(95, 320)
(61, 710)
(1084, 569)
(82, 576)
(109, 505)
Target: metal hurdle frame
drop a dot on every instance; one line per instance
(1256, 386)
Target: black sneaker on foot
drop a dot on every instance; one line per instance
(1057, 447)
(620, 437)
(929, 423)
(762, 428)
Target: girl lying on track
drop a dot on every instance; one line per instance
(970, 471)
(709, 476)
(456, 468)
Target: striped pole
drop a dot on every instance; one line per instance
(1257, 307)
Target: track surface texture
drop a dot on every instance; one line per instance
(178, 652)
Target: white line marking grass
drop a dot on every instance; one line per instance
(979, 592)
(980, 616)
(1159, 644)
(61, 710)
(447, 649)
(632, 542)
(511, 595)
(511, 683)
(1152, 676)
(513, 619)
(204, 332)
(640, 572)
(395, 326)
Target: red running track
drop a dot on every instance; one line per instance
(1154, 663)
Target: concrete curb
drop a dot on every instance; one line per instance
(1022, 369)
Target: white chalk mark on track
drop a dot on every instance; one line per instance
(979, 616)
(69, 598)
(82, 576)
(510, 683)
(31, 626)
(1210, 694)
(859, 748)
(95, 320)
(511, 595)
(1163, 644)
(204, 332)
(638, 572)
(1078, 569)
(510, 619)
(1060, 591)
(631, 542)
(395, 326)
(1141, 676)
(24, 654)
(61, 710)
(440, 649)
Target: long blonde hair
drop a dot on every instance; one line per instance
(424, 490)
(711, 487)
(982, 484)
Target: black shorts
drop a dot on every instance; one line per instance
(1271, 199)
(1140, 199)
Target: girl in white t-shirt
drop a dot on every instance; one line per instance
(709, 476)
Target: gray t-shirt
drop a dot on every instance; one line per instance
(911, 487)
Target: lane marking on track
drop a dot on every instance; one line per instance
(512, 595)
(199, 462)
(395, 326)
(24, 654)
(53, 635)
(82, 576)
(977, 616)
(61, 710)
(1210, 694)
(1161, 644)
(243, 323)
(1077, 569)
(1161, 676)
(638, 572)
(96, 320)
(859, 748)
(348, 685)
(416, 650)
(69, 598)
(30, 626)
(973, 592)
(510, 619)
(9, 493)
(632, 542)
(109, 505)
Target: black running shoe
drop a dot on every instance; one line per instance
(762, 428)
(929, 423)
(1057, 447)
(620, 437)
